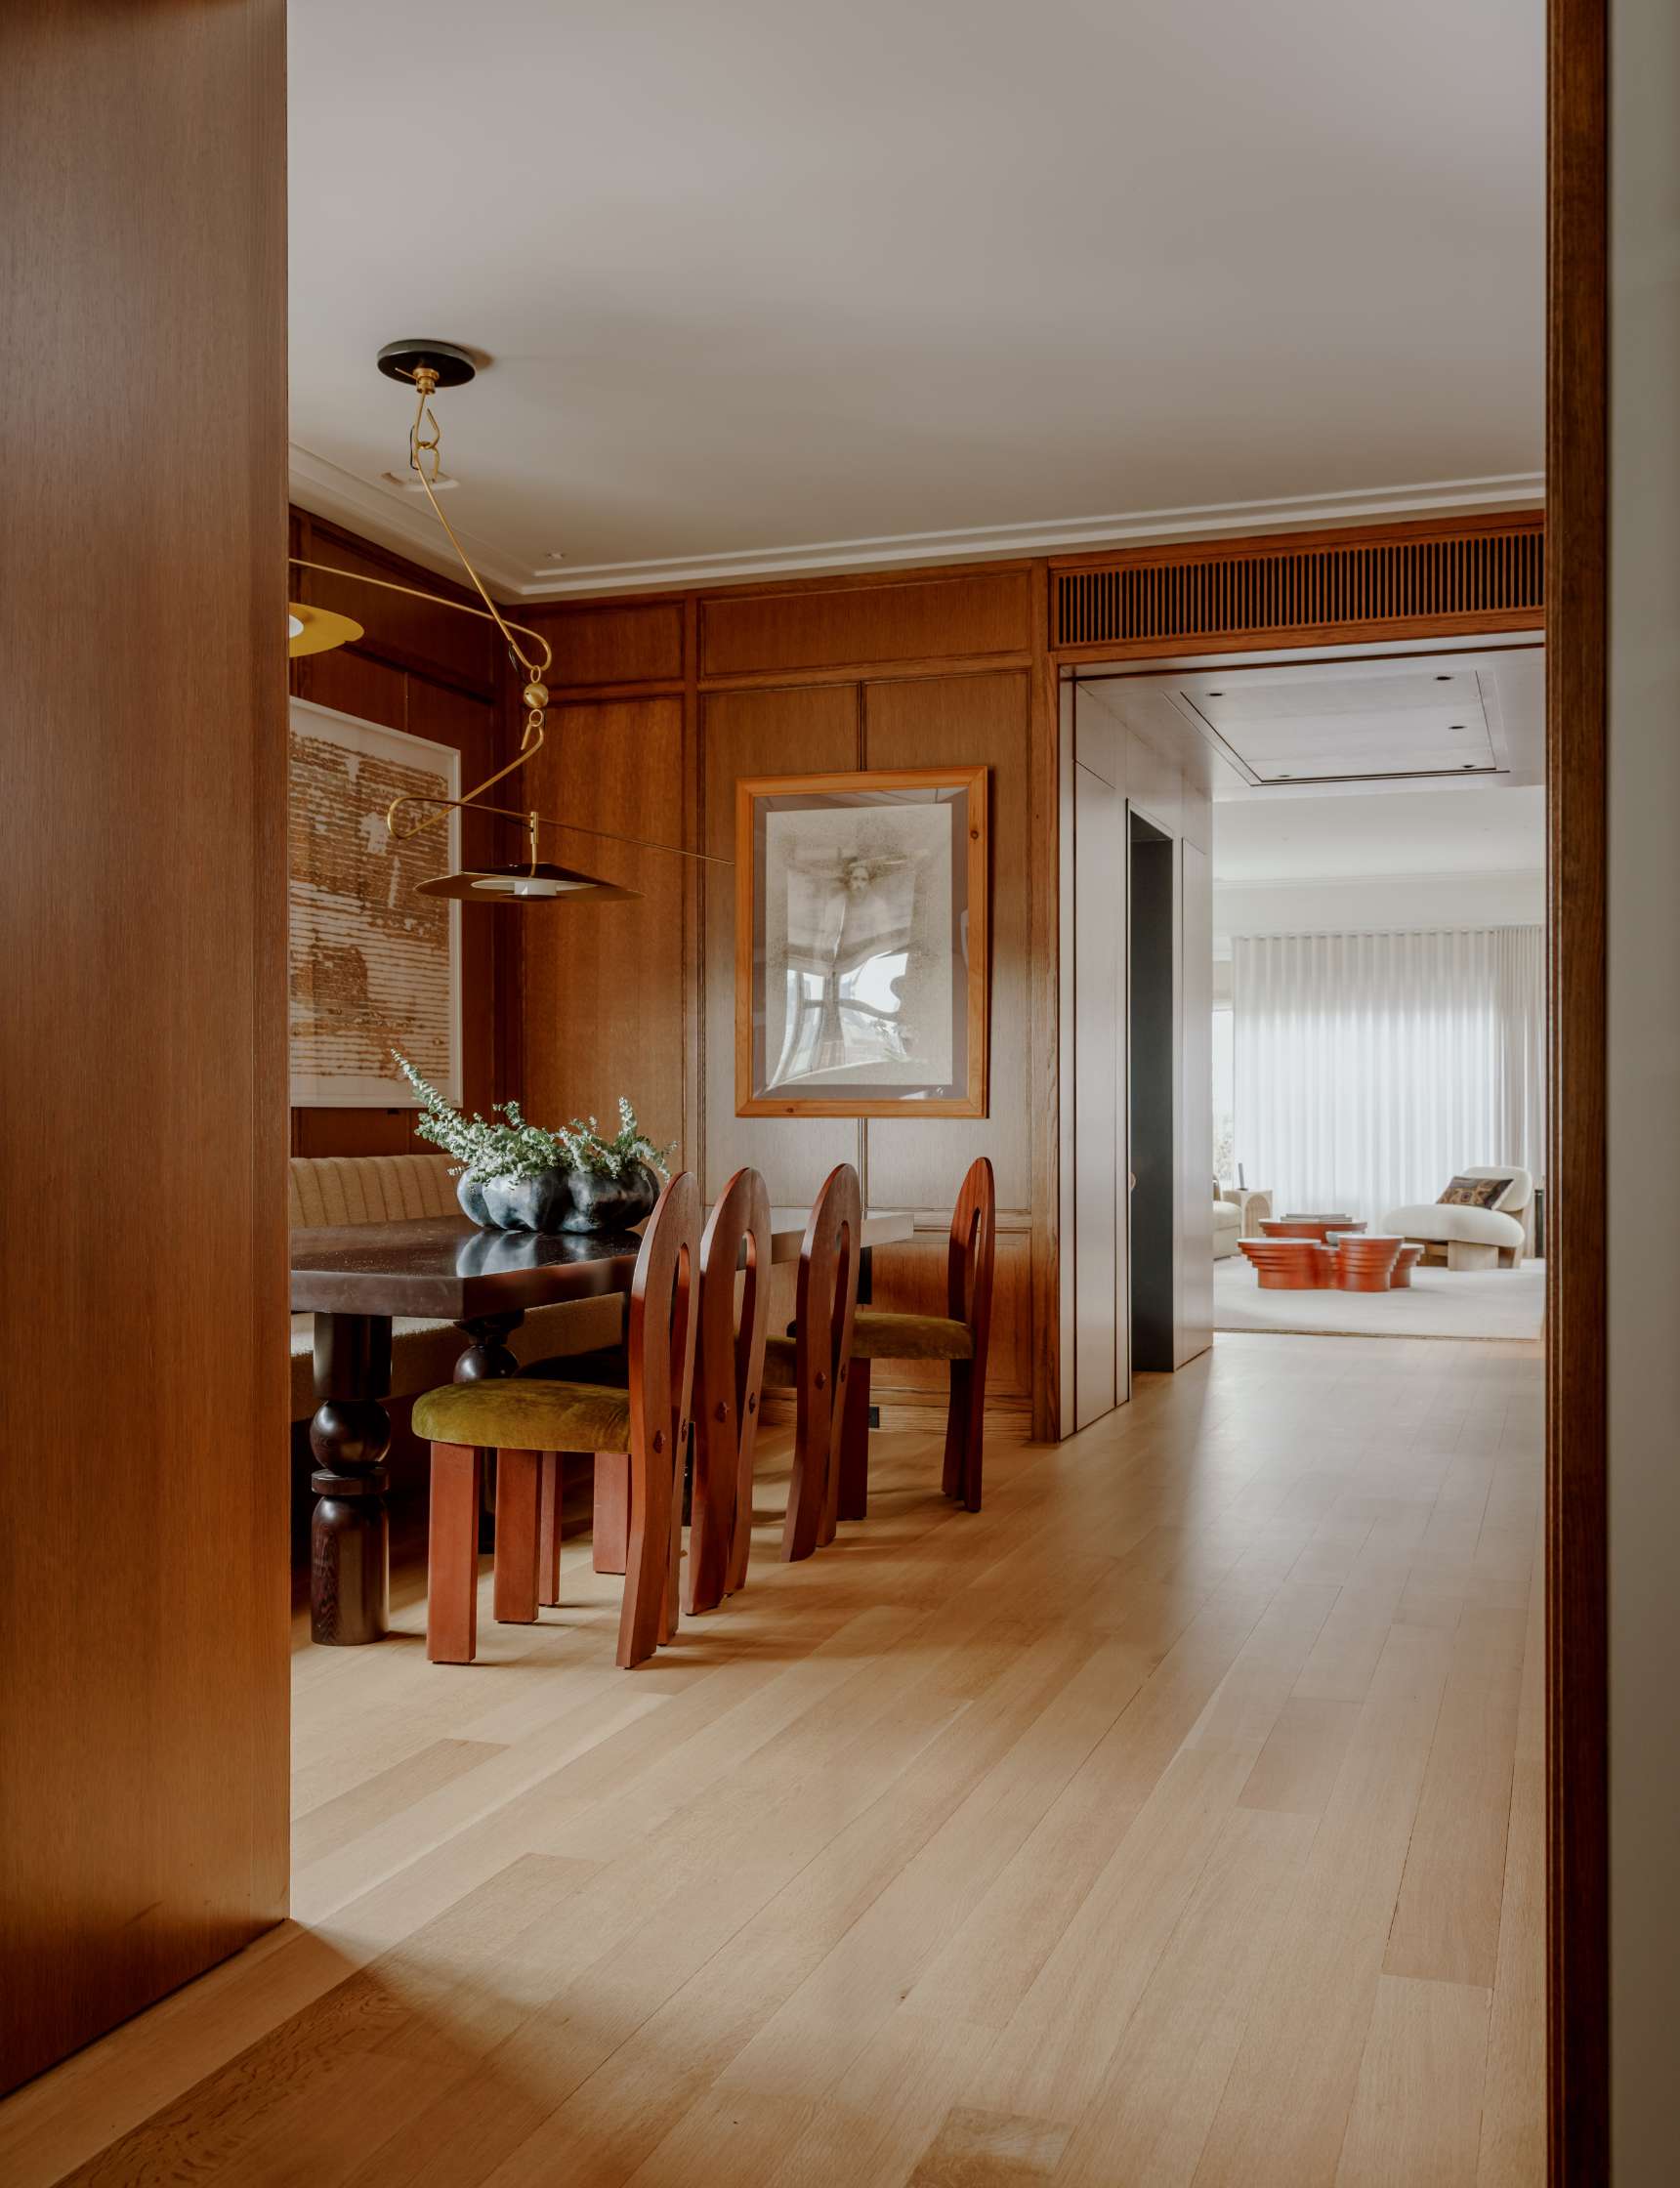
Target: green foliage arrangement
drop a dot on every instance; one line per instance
(505, 1151)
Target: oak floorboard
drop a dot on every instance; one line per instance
(1144, 1828)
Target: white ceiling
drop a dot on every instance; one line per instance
(1450, 831)
(760, 277)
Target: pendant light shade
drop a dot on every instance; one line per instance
(317, 630)
(535, 881)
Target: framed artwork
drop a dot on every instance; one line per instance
(861, 944)
(370, 965)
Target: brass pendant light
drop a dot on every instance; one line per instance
(317, 630)
(427, 365)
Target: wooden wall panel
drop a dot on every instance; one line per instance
(415, 634)
(142, 1501)
(910, 1278)
(797, 731)
(429, 673)
(604, 988)
(642, 644)
(867, 623)
(968, 721)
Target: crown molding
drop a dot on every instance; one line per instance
(1056, 536)
(380, 513)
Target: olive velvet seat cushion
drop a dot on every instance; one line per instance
(515, 1415)
(879, 1335)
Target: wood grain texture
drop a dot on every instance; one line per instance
(962, 722)
(911, 1279)
(142, 1504)
(813, 1861)
(637, 644)
(865, 622)
(803, 730)
(605, 995)
(1578, 397)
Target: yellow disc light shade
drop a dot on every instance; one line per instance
(532, 881)
(317, 630)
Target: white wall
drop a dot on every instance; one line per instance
(1386, 904)
(1644, 1088)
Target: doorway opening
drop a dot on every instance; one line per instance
(1150, 1094)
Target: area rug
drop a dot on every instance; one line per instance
(1441, 1303)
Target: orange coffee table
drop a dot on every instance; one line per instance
(1290, 1264)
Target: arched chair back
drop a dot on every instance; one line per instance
(729, 1377)
(661, 1350)
(968, 1295)
(530, 1423)
(960, 1337)
(828, 1303)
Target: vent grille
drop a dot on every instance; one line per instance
(1297, 588)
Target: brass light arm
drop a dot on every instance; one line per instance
(425, 366)
(535, 821)
(434, 599)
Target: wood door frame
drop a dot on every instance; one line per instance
(1578, 1822)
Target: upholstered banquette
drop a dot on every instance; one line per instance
(363, 1189)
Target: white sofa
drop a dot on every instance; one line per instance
(1236, 1209)
(1473, 1238)
(362, 1188)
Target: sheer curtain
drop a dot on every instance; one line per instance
(1370, 1068)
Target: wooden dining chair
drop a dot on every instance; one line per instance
(816, 1361)
(960, 1335)
(529, 1423)
(733, 1318)
(729, 1376)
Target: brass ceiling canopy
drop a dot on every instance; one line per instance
(427, 364)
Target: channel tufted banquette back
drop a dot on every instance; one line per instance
(332, 1189)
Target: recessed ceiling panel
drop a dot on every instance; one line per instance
(1327, 728)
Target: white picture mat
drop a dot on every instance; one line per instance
(412, 984)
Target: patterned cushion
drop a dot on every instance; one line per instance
(512, 1414)
(878, 1335)
(1474, 1192)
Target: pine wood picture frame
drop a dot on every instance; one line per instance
(954, 955)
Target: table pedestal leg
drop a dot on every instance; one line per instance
(349, 1556)
(488, 1360)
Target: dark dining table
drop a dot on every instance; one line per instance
(354, 1280)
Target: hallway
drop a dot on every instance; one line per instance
(1177, 1818)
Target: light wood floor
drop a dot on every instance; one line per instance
(1178, 1819)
